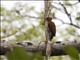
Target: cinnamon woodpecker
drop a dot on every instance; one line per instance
(51, 28)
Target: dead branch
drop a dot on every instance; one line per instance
(57, 48)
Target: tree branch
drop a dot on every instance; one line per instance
(57, 47)
(57, 8)
(67, 23)
(18, 12)
(75, 25)
(68, 14)
(56, 17)
(47, 13)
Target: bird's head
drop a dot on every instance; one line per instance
(49, 18)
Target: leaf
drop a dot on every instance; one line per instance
(19, 53)
(71, 30)
(2, 9)
(72, 52)
(39, 56)
(78, 18)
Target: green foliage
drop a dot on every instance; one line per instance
(67, 3)
(23, 36)
(2, 9)
(41, 24)
(13, 31)
(4, 12)
(18, 17)
(72, 52)
(33, 31)
(20, 54)
(29, 34)
(78, 18)
(2, 30)
(71, 30)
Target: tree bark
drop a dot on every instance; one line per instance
(57, 48)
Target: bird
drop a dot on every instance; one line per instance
(51, 28)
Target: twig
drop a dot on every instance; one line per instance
(75, 25)
(18, 12)
(31, 17)
(57, 8)
(69, 16)
(67, 23)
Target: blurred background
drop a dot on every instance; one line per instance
(24, 21)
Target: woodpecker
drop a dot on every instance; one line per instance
(51, 28)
